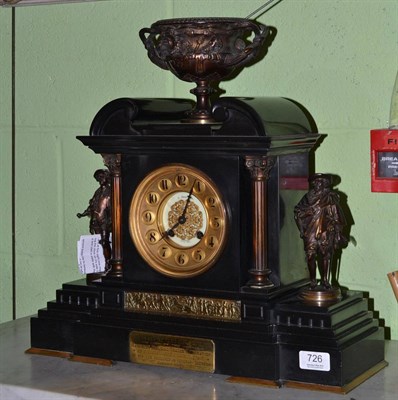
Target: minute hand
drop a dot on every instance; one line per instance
(187, 203)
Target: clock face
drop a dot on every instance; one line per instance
(178, 221)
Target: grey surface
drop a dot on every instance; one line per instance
(34, 377)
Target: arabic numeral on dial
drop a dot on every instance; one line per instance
(164, 252)
(153, 237)
(210, 202)
(165, 185)
(181, 180)
(152, 198)
(198, 255)
(215, 222)
(181, 259)
(199, 187)
(211, 242)
(148, 217)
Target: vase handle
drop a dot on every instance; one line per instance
(250, 52)
(149, 43)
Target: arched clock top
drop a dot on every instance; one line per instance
(243, 126)
(250, 116)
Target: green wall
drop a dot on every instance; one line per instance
(339, 58)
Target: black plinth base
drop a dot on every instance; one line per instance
(345, 332)
(340, 342)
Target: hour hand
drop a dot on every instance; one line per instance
(169, 232)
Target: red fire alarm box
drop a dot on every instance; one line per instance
(384, 159)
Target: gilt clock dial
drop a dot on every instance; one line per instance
(178, 221)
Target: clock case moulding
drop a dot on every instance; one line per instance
(273, 325)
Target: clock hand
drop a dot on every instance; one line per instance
(181, 218)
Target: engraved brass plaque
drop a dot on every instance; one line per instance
(195, 354)
(182, 306)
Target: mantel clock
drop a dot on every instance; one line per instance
(207, 262)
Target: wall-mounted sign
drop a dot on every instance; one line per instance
(384, 160)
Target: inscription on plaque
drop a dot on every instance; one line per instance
(196, 354)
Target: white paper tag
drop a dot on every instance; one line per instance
(90, 257)
(314, 360)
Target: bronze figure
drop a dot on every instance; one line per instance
(100, 213)
(320, 220)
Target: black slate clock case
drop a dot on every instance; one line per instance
(274, 326)
(219, 151)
